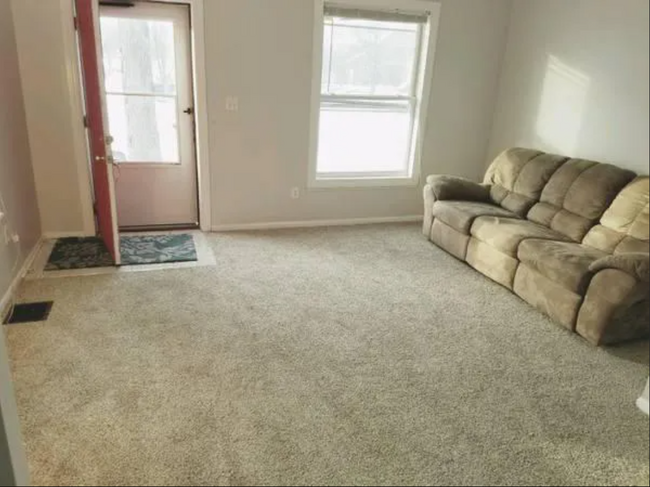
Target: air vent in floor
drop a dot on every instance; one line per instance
(29, 313)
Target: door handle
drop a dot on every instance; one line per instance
(107, 159)
(189, 110)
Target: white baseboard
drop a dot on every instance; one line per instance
(24, 269)
(315, 223)
(55, 235)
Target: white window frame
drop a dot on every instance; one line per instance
(424, 68)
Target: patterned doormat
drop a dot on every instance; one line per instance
(89, 252)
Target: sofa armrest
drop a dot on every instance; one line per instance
(636, 265)
(455, 188)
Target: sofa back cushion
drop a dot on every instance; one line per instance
(518, 176)
(625, 226)
(577, 195)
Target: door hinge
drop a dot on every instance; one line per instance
(95, 208)
(85, 121)
(75, 22)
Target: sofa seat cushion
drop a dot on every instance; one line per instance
(460, 215)
(505, 234)
(564, 263)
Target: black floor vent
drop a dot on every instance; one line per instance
(29, 313)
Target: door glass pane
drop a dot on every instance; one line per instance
(367, 57)
(138, 55)
(140, 81)
(364, 138)
(144, 128)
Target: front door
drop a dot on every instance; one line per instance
(148, 82)
(99, 147)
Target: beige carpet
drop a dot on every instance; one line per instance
(328, 356)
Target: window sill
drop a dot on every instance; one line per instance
(369, 182)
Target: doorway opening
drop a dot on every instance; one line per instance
(143, 88)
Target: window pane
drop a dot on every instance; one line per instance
(138, 55)
(144, 128)
(327, 58)
(356, 139)
(370, 57)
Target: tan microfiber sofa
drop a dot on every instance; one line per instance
(569, 236)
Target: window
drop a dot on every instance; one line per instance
(374, 68)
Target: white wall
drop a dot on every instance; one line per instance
(261, 51)
(16, 177)
(17, 191)
(575, 80)
(59, 157)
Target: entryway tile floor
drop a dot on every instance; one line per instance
(205, 257)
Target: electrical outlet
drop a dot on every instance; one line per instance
(232, 104)
(295, 193)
